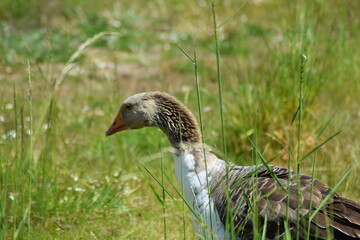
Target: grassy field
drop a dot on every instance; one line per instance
(61, 178)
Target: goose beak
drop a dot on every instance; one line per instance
(117, 126)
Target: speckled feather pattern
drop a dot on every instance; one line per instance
(175, 120)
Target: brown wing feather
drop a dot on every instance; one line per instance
(254, 191)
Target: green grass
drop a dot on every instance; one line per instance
(65, 180)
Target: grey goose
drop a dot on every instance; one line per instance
(238, 191)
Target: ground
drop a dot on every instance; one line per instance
(61, 178)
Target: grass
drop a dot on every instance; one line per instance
(61, 178)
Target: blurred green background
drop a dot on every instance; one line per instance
(60, 178)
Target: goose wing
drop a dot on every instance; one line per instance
(257, 195)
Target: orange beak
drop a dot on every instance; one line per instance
(117, 126)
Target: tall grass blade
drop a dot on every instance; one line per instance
(167, 192)
(232, 15)
(267, 166)
(70, 63)
(229, 228)
(324, 201)
(325, 125)
(30, 154)
(303, 60)
(320, 145)
(203, 140)
(219, 80)
(185, 53)
(263, 236)
(162, 163)
(152, 187)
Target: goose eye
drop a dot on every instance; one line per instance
(128, 107)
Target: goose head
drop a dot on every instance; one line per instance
(157, 109)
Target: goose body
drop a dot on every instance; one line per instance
(212, 188)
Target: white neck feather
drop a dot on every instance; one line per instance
(194, 188)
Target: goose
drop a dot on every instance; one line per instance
(227, 200)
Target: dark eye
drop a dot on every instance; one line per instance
(128, 107)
